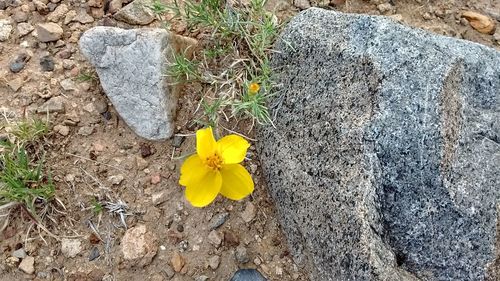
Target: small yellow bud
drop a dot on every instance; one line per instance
(253, 88)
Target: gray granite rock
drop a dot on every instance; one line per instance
(384, 162)
(131, 66)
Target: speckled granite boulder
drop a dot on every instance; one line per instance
(131, 65)
(385, 159)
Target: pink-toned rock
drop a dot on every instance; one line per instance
(155, 178)
(98, 147)
(27, 265)
(139, 246)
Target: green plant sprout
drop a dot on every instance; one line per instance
(158, 7)
(97, 207)
(85, 76)
(30, 131)
(22, 181)
(236, 55)
(183, 68)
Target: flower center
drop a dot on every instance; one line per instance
(214, 162)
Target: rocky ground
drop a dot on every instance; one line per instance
(152, 233)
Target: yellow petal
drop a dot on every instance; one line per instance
(203, 192)
(236, 182)
(192, 170)
(205, 143)
(232, 149)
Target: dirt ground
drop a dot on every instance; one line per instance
(94, 157)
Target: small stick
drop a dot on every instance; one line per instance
(100, 163)
(236, 133)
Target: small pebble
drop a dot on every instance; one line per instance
(249, 213)
(183, 245)
(213, 262)
(86, 131)
(24, 28)
(241, 254)
(248, 275)
(180, 228)
(20, 16)
(116, 179)
(51, 6)
(42, 275)
(47, 63)
(15, 84)
(496, 36)
(68, 85)
(177, 141)
(28, 265)
(384, 7)
(5, 29)
(62, 129)
(55, 104)
(167, 269)
(230, 239)
(41, 7)
(214, 238)
(68, 64)
(101, 106)
(302, 4)
(19, 62)
(159, 197)
(71, 247)
(218, 220)
(106, 115)
(65, 54)
(94, 254)
(155, 179)
(427, 16)
(145, 150)
(19, 253)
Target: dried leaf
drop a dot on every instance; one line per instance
(480, 22)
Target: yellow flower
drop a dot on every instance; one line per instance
(214, 169)
(253, 88)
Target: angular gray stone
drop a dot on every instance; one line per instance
(138, 12)
(131, 66)
(83, 17)
(24, 28)
(248, 274)
(19, 253)
(384, 163)
(48, 32)
(55, 104)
